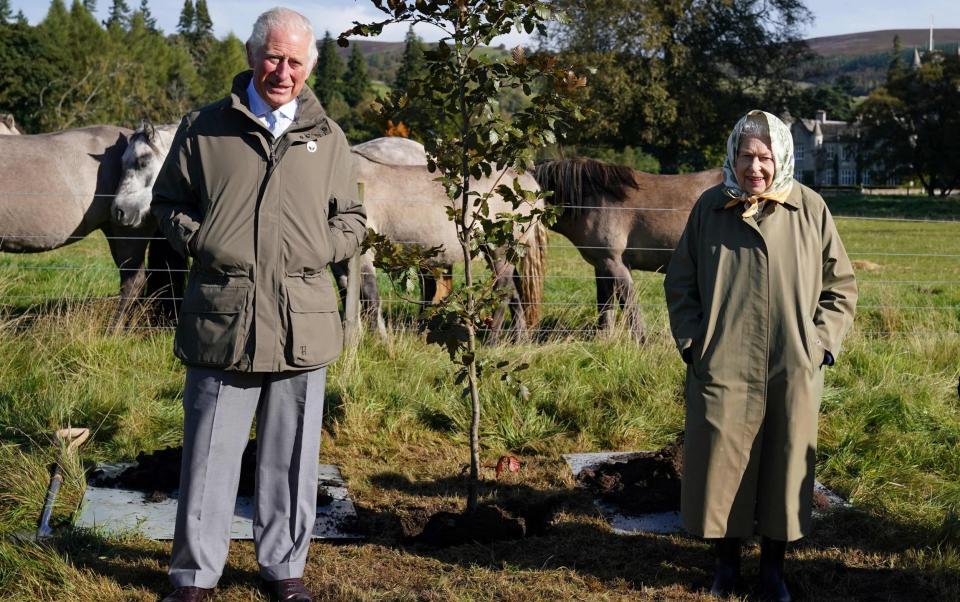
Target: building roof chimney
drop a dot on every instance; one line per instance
(821, 115)
(916, 58)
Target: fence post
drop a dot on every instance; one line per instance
(351, 306)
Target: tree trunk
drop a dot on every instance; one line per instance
(470, 355)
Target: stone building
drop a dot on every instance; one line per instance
(826, 152)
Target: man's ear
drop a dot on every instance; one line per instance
(249, 55)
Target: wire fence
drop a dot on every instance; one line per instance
(568, 290)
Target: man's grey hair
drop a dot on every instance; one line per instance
(282, 18)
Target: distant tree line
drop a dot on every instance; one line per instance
(71, 70)
(124, 69)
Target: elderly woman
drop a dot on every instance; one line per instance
(760, 294)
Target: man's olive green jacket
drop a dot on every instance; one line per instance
(262, 220)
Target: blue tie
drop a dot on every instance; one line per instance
(271, 122)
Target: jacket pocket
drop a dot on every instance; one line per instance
(813, 347)
(314, 332)
(697, 350)
(211, 324)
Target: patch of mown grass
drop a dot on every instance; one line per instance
(895, 206)
(76, 272)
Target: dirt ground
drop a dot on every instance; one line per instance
(157, 475)
(648, 482)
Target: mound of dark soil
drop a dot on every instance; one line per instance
(509, 519)
(647, 482)
(486, 525)
(157, 475)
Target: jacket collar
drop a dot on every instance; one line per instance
(310, 113)
(259, 107)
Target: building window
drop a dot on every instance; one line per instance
(847, 177)
(845, 154)
(831, 151)
(866, 178)
(828, 178)
(798, 152)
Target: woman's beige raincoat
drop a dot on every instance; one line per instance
(758, 301)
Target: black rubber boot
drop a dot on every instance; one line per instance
(727, 573)
(772, 586)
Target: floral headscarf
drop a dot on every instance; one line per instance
(781, 143)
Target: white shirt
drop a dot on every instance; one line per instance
(277, 120)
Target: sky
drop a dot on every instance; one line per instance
(831, 17)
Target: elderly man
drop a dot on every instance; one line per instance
(258, 189)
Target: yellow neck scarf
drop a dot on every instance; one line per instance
(751, 202)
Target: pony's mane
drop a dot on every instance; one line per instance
(152, 134)
(574, 181)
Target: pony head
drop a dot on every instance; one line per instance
(140, 165)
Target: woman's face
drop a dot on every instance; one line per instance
(755, 166)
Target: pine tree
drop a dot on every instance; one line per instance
(5, 13)
(411, 67)
(56, 21)
(119, 15)
(187, 15)
(226, 58)
(202, 23)
(21, 19)
(329, 71)
(148, 19)
(356, 82)
(90, 5)
(897, 65)
(200, 37)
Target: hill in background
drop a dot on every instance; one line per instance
(863, 57)
(873, 42)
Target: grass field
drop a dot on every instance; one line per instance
(395, 424)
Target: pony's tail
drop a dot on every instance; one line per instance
(533, 266)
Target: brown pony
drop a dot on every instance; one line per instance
(621, 220)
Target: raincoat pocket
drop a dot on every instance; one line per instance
(210, 326)
(814, 349)
(696, 352)
(315, 333)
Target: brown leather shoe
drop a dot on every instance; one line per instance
(289, 590)
(188, 594)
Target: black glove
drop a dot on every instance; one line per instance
(827, 359)
(687, 355)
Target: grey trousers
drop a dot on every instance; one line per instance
(219, 408)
